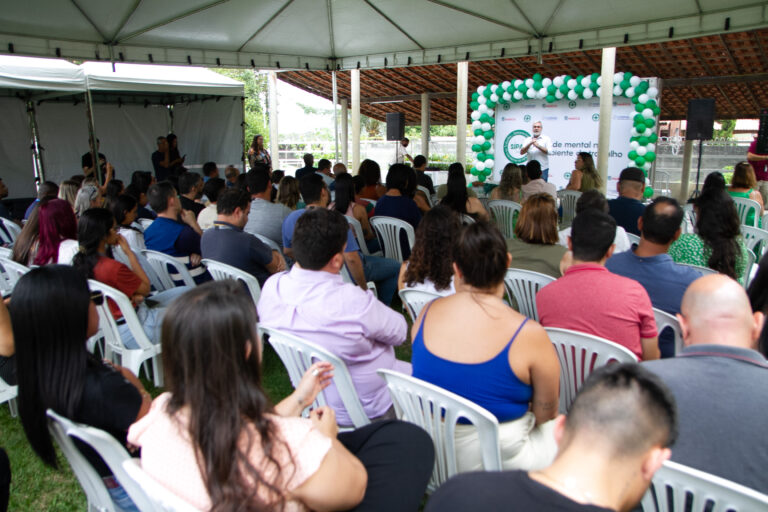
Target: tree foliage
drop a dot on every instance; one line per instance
(726, 130)
(255, 102)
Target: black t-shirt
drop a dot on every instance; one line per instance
(507, 491)
(161, 172)
(425, 181)
(110, 403)
(188, 204)
(87, 161)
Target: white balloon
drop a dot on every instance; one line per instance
(482, 108)
(481, 100)
(479, 165)
(541, 93)
(599, 92)
(479, 139)
(634, 144)
(634, 81)
(641, 150)
(652, 92)
(530, 93)
(571, 83)
(618, 77)
(506, 97)
(647, 167)
(494, 98)
(476, 125)
(486, 127)
(617, 90)
(586, 81)
(643, 99)
(647, 113)
(494, 87)
(529, 83)
(517, 83)
(630, 92)
(651, 146)
(490, 112)
(587, 93)
(559, 95)
(480, 90)
(546, 82)
(572, 95)
(517, 95)
(558, 81)
(475, 115)
(505, 84)
(633, 132)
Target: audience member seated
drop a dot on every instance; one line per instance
(744, 185)
(345, 204)
(339, 169)
(717, 242)
(628, 207)
(442, 190)
(419, 197)
(190, 191)
(57, 234)
(422, 178)
(535, 246)
(510, 186)
(590, 299)
(231, 173)
(584, 177)
(313, 302)
(308, 168)
(718, 382)
(324, 170)
(7, 348)
(288, 195)
(758, 298)
(210, 170)
(56, 371)
(47, 189)
(214, 437)
(382, 271)
(396, 203)
(510, 367)
(112, 189)
(359, 186)
(228, 243)
(25, 246)
(713, 181)
(605, 461)
(124, 210)
(180, 239)
(536, 185)
(140, 183)
(266, 218)
(89, 196)
(429, 267)
(458, 199)
(595, 199)
(649, 264)
(212, 188)
(371, 173)
(68, 191)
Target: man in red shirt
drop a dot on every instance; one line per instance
(759, 163)
(590, 299)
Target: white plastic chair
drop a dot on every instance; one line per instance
(388, 230)
(703, 270)
(144, 223)
(357, 229)
(689, 218)
(466, 220)
(119, 255)
(10, 273)
(160, 263)
(221, 271)
(674, 485)
(523, 285)
(426, 193)
(115, 349)
(580, 354)
(415, 300)
(437, 410)
(298, 355)
(159, 498)
(665, 320)
(503, 215)
(271, 243)
(8, 394)
(633, 239)
(12, 229)
(347, 277)
(568, 200)
(744, 206)
(756, 240)
(6, 252)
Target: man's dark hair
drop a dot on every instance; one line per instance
(533, 168)
(208, 168)
(213, 188)
(308, 159)
(319, 235)
(277, 176)
(592, 234)
(419, 160)
(405, 139)
(626, 405)
(188, 181)
(311, 188)
(323, 164)
(397, 178)
(161, 137)
(592, 198)
(159, 194)
(257, 179)
(231, 199)
(48, 189)
(660, 223)
(141, 180)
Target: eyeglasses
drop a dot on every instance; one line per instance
(97, 298)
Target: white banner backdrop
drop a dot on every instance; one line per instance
(210, 131)
(15, 139)
(573, 128)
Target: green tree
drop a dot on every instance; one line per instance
(254, 104)
(726, 131)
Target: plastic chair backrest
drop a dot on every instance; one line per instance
(568, 200)
(437, 410)
(503, 215)
(415, 300)
(160, 499)
(298, 355)
(130, 358)
(6, 252)
(12, 230)
(119, 255)
(665, 320)
(523, 285)
(704, 270)
(689, 218)
(679, 488)
(160, 263)
(145, 223)
(8, 394)
(580, 354)
(744, 206)
(426, 193)
(221, 271)
(633, 239)
(271, 243)
(756, 239)
(466, 220)
(11, 273)
(388, 230)
(357, 230)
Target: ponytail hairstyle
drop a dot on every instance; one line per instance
(95, 225)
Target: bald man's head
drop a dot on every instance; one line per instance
(716, 310)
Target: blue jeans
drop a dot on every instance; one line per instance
(120, 498)
(151, 318)
(383, 272)
(545, 174)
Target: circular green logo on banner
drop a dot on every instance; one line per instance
(527, 118)
(595, 117)
(571, 104)
(513, 143)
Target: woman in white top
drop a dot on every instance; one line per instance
(211, 190)
(124, 208)
(429, 267)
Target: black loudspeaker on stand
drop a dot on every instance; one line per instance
(699, 126)
(762, 133)
(395, 126)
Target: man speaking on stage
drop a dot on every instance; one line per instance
(537, 148)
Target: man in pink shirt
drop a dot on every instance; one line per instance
(313, 302)
(759, 163)
(590, 299)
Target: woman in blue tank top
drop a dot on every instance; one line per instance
(473, 344)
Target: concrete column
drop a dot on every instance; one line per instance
(274, 148)
(344, 130)
(354, 77)
(606, 112)
(335, 95)
(462, 82)
(685, 177)
(425, 124)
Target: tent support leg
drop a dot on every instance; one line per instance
(344, 131)
(462, 83)
(92, 135)
(354, 78)
(274, 146)
(606, 111)
(425, 124)
(335, 115)
(37, 156)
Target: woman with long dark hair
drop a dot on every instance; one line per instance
(55, 371)
(473, 344)
(344, 203)
(257, 154)
(429, 267)
(584, 175)
(25, 246)
(717, 242)
(57, 233)
(371, 173)
(457, 196)
(215, 440)
(125, 209)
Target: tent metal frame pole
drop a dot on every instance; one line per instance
(243, 155)
(39, 167)
(335, 114)
(92, 132)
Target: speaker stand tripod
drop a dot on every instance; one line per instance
(696, 192)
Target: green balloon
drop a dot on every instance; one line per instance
(474, 105)
(639, 107)
(650, 122)
(640, 128)
(648, 192)
(579, 78)
(477, 132)
(632, 155)
(595, 77)
(627, 75)
(487, 171)
(564, 88)
(490, 104)
(643, 141)
(475, 95)
(593, 86)
(487, 92)
(485, 145)
(653, 137)
(579, 89)
(489, 157)
(566, 78)
(476, 147)
(522, 88)
(481, 178)
(656, 110)
(551, 89)
(488, 134)
(481, 157)
(537, 85)
(537, 77)
(491, 121)
(625, 85)
(638, 118)
(642, 87)
(651, 103)
(550, 98)
(484, 118)
(636, 99)
(640, 161)
(473, 171)
(650, 156)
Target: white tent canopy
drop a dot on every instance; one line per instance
(297, 34)
(130, 109)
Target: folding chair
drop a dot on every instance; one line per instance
(10, 273)
(633, 239)
(221, 271)
(9, 232)
(503, 215)
(523, 285)
(388, 230)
